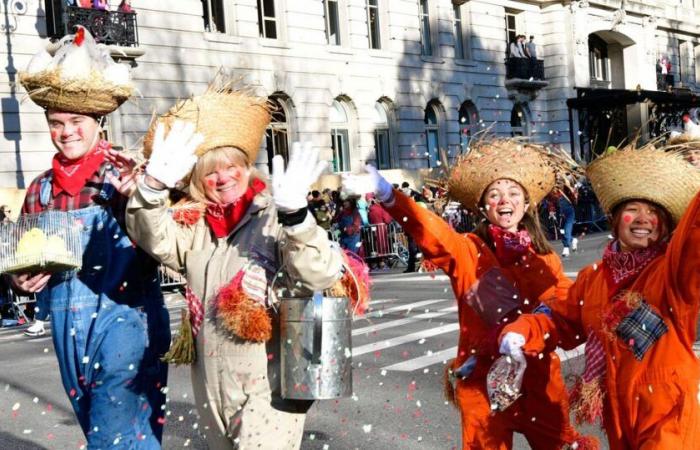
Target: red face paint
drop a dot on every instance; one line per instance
(80, 132)
(211, 183)
(627, 218)
(654, 221)
(54, 134)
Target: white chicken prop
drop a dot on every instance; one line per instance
(691, 129)
(80, 57)
(80, 77)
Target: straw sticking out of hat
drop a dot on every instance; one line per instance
(655, 175)
(226, 115)
(532, 166)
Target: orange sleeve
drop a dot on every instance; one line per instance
(560, 327)
(682, 277)
(452, 252)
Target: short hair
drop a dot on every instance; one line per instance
(315, 194)
(405, 184)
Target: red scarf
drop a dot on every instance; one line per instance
(510, 247)
(223, 219)
(70, 176)
(621, 268)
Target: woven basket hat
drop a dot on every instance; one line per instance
(526, 164)
(651, 174)
(226, 118)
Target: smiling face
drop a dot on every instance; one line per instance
(220, 176)
(638, 224)
(72, 134)
(505, 203)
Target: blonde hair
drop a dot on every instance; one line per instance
(210, 161)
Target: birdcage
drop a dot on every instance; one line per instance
(46, 242)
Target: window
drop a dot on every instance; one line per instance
(598, 59)
(340, 124)
(277, 133)
(424, 15)
(432, 129)
(468, 119)
(267, 23)
(459, 38)
(373, 24)
(382, 137)
(214, 17)
(696, 52)
(511, 26)
(332, 22)
(519, 120)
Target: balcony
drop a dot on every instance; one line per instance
(108, 27)
(525, 74)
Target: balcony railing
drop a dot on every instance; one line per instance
(664, 82)
(108, 27)
(524, 69)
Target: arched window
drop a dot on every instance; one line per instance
(468, 120)
(383, 143)
(432, 133)
(519, 119)
(340, 133)
(277, 133)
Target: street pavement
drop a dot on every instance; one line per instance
(400, 348)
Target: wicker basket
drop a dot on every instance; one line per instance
(44, 242)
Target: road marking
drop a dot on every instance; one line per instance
(570, 354)
(399, 322)
(424, 277)
(423, 361)
(382, 345)
(408, 306)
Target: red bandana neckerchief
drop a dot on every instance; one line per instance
(70, 176)
(621, 268)
(510, 247)
(223, 219)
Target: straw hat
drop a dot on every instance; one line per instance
(226, 118)
(490, 160)
(91, 96)
(651, 174)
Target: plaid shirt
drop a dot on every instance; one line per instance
(88, 196)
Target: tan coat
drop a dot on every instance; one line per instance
(236, 383)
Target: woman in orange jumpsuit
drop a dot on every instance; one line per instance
(503, 269)
(637, 308)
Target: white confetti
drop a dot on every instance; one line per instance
(15, 407)
(367, 428)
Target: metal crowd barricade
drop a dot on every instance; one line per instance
(170, 279)
(382, 241)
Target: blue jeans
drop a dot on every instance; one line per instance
(568, 214)
(109, 328)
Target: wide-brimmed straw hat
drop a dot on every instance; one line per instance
(226, 117)
(530, 165)
(90, 91)
(651, 174)
(91, 96)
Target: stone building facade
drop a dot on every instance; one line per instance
(389, 82)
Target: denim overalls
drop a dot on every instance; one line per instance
(110, 327)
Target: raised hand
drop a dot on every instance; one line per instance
(291, 186)
(173, 156)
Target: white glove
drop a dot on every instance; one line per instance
(512, 344)
(173, 156)
(291, 186)
(371, 181)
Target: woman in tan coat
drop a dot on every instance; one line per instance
(230, 241)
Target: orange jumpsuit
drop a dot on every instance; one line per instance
(541, 414)
(652, 403)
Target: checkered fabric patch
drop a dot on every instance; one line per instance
(640, 329)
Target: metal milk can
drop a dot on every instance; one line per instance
(316, 348)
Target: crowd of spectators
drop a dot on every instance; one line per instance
(124, 5)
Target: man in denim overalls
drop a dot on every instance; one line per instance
(109, 323)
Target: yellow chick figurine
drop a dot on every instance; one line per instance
(31, 243)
